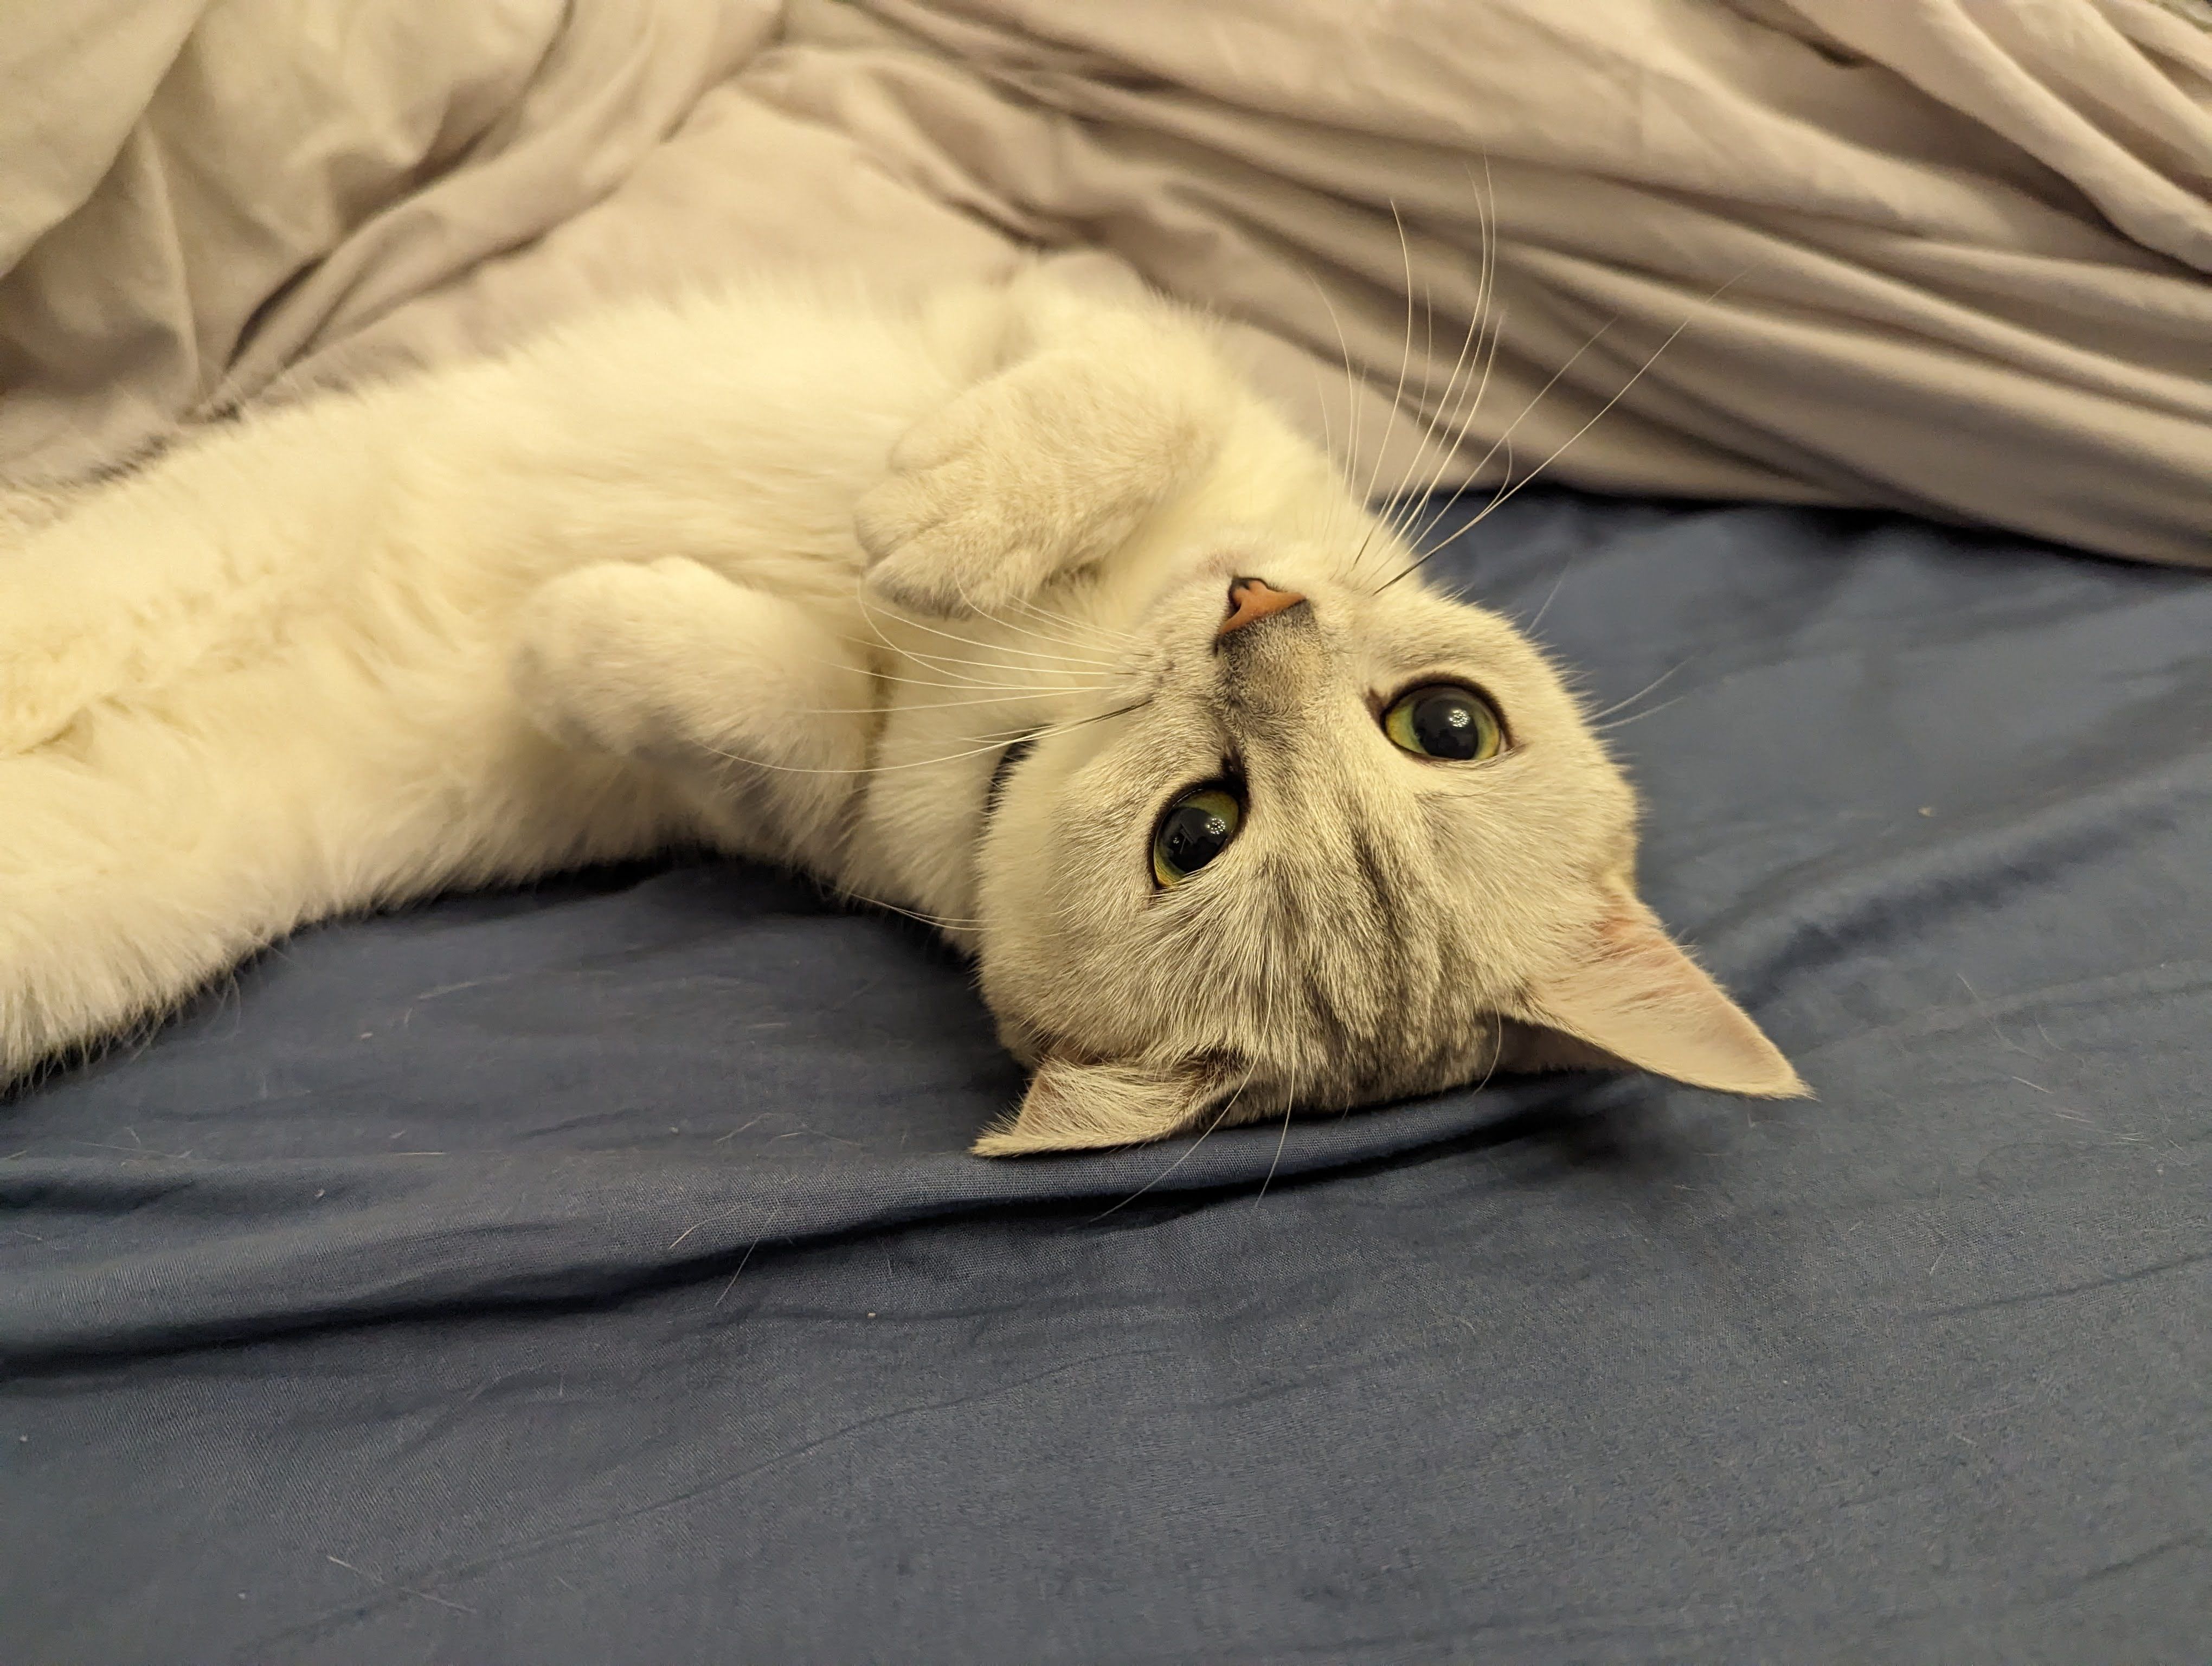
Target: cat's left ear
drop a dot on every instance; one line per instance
(1086, 1107)
(1632, 998)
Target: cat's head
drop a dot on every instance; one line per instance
(1352, 848)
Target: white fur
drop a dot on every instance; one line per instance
(783, 574)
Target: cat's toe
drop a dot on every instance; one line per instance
(926, 578)
(895, 513)
(945, 545)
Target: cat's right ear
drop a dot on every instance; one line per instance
(1089, 1107)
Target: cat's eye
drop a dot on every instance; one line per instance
(1444, 719)
(1196, 829)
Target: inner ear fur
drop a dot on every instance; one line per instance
(1088, 1107)
(1632, 999)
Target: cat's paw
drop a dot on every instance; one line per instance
(1038, 472)
(592, 646)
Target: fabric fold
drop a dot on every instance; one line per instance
(1939, 256)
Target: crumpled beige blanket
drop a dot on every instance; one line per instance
(1948, 256)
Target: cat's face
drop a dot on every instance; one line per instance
(1362, 847)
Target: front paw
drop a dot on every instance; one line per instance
(1039, 472)
(591, 647)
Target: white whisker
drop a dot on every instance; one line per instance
(1228, 1105)
(1485, 298)
(1068, 639)
(1504, 496)
(941, 921)
(1083, 629)
(969, 684)
(1641, 692)
(1565, 568)
(1505, 441)
(873, 618)
(1637, 717)
(935, 705)
(1353, 383)
(1397, 399)
(991, 745)
(1290, 1102)
(1444, 415)
(1101, 677)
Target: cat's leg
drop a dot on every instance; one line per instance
(750, 701)
(210, 558)
(122, 604)
(1100, 415)
(142, 855)
(164, 838)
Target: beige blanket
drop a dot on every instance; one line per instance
(1948, 256)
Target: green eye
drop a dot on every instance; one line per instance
(1443, 719)
(1196, 829)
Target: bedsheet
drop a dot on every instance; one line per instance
(1942, 256)
(594, 1272)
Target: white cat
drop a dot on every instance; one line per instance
(794, 577)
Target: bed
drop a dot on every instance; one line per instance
(595, 1272)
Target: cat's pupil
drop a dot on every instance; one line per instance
(1194, 836)
(1446, 723)
(1196, 829)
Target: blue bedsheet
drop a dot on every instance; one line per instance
(595, 1273)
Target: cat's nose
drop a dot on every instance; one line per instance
(1251, 599)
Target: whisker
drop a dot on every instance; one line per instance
(1353, 383)
(1413, 459)
(1228, 1105)
(965, 685)
(1397, 399)
(1321, 401)
(1454, 422)
(1070, 638)
(1096, 676)
(1290, 1102)
(1504, 441)
(1641, 692)
(1497, 1049)
(1100, 680)
(911, 682)
(873, 617)
(1083, 628)
(1565, 568)
(1485, 295)
(990, 746)
(1506, 496)
(942, 922)
(1637, 717)
(934, 705)
(1066, 639)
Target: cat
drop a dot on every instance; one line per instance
(1007, 606)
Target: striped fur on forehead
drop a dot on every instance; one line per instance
(1346, 944)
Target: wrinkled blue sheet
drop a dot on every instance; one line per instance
(595, 1273)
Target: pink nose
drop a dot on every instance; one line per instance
(1254, 598)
